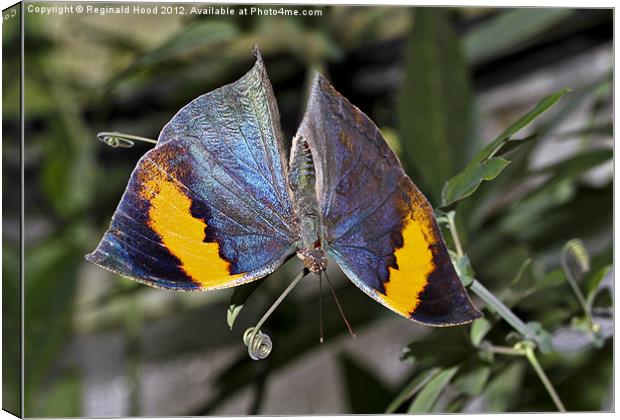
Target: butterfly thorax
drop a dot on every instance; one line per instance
(302, 180)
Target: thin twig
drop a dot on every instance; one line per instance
(522, 349)
(531, 356)
(489, 298)
(502, 310)
(508, 351)
(455, 234)
(576, 290)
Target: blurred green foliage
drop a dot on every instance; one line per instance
(89, 74)
(11, 302)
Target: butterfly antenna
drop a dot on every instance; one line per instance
(321, 307)
(344, 318)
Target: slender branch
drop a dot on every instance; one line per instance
(524, 348)
(489, 298)
(531, 356)
(576, 290)
(502, 310)
(508, 351)
(454, 233)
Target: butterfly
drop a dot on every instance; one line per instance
(217, 203)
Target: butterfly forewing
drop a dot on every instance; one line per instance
(208, 207)
(379, 227)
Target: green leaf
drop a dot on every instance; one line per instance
(434, 108)
(412, 388)
(479, 328)
(444, 348)
(509, 29)
(503, 390)
(428, 396)
(367, 394)
(466, 183)
(524, 266)
(496, 145)
(572, 104)
(237, 300)
(471, 381)
(576, 164)
(533, 213)
(484, 167)
(466, 274)
(513, 144)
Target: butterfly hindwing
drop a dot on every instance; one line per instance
(379, 228)
(208, 207)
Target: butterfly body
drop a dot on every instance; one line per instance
(302, 182)
(217, 203)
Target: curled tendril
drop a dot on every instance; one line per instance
(576, 250)
(115, 140)
(259, 344)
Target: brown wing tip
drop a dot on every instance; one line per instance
(460, 311)
(259, 67)
(256, 52)
(321, 83)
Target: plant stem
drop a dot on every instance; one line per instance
(482, 292)
(531, 356)
(526, 348)
(455, 234)
(497, 305)
(523, 348)
(509, 351)
(576, 290)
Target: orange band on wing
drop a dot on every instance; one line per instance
(415, 264)
(183, 235)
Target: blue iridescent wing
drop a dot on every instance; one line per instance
(379, 227)
(208, 207)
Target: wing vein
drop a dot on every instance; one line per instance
(262, 137)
